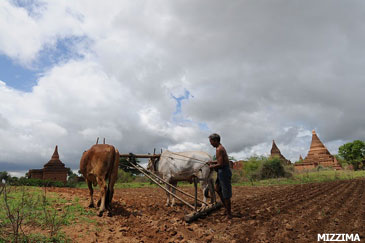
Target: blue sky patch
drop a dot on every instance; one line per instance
(64, 50)
(16, 76)
(24, 78)
(34, 8)
(178, 100)
(178, 116)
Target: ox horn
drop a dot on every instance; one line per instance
(97, 140)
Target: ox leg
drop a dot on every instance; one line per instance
(112, 181)
(173, 192)
(168, 196)
(205, 189)
(103, 190)
(211, 191)
(99, 202)
(91, 191)
(196, 180)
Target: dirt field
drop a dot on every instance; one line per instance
(268, 214)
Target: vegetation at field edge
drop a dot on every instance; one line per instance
(29, 214)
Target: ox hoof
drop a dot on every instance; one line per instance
(110, 214)
(91, 205)
(100, 213)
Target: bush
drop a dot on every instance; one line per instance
(251, 167)
(141, 178)
(23, 181)
(272, 168)
(125, 177)
(237, 176)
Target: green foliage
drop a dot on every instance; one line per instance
(308, 177)
(354, 153)
(344, 164)
(29, 206)
(125, 177)
(260, 168)
(4, 176)
(124, 164)
(251, 167)
(272, 168)
(24, 181)
(237, 176)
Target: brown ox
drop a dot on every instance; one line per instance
(98, 164)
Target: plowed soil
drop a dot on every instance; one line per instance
(295, 213)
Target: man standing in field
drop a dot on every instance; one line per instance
(223, 183)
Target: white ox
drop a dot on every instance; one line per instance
(182, 166)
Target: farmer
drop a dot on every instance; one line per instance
(223, 183)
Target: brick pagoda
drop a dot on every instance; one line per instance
(318, 155)
(54, 170)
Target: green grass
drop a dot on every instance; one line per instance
(45, 212)
(307, 177)
(298, 178)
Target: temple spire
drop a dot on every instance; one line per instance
(275, 152)
(55, 153)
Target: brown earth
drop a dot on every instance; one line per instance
(295, 213)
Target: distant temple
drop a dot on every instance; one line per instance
(54, 170)
(238, 165)
(275, 152)
(318, 155)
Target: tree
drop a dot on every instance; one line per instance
(4, 175)
(124, 165)
(354, 153)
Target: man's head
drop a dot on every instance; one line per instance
(214, 139)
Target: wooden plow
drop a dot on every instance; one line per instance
(197, 212)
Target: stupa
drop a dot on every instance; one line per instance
(318, 155)
(275, 152)
(53, 170)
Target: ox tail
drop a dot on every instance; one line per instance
(111, 180)
(109, 176)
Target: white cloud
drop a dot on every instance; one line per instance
(256, 72)
(24, 35)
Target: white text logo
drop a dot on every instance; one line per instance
(338, 237)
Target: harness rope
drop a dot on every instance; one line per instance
(196, 161)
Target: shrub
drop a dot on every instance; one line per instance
(251, 167)
(125, 177)
(272, 168)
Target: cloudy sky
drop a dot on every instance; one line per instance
(166, 74)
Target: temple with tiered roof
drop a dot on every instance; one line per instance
(275, 152)
(53, 170)
(318, 155)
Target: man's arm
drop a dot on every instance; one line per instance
(219, 155)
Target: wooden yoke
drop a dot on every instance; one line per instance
(141, 156)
